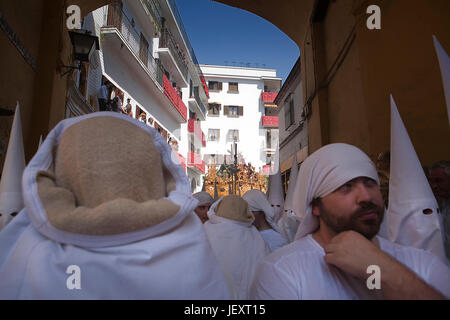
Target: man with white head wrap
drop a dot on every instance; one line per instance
(264, 219)
(341, 209)
(105, 218)
(238, 246)
(204, 203)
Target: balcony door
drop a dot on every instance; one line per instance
(143, 50)
(115, 15)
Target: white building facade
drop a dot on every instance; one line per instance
(145, 53)
(241, 111)
(292, 123)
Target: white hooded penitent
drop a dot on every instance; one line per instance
(238, 245)
(289, 222)
(410, 195)
(11, 201)
(275, 194)
(107, 217)
(444, 63)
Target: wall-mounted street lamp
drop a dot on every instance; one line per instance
(84, 44)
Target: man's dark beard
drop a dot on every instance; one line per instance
(368, 228)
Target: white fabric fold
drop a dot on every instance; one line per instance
(257, 201)
(239, 249)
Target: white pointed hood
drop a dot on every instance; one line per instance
(410, 194)
(275, 193)
(216, 194)
(11, 201)
(131, 243)
(289, 222)
(444, 63)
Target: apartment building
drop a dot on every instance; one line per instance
(292, 123)
(241, 115)
(145, 53)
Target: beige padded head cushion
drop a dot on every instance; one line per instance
(108, 179)
(234, 208)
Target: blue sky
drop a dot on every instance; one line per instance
(220, 33)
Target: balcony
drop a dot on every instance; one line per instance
(152, 8)
(268, 98)
(267, 169)
(205, 87)
(120, 36)
(196, 104)
(173, 58)
(194, 127)
(173, 96)
(269, 121)
(148, 13)
(195, 161)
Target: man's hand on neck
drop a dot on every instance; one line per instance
(353, 253)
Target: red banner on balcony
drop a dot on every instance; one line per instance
(174, 97)
(270, 121)
(194, 160)
(194, 127)
(268, 97)
(205, 87)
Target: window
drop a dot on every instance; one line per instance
(268, 139)
(83, 77)
(233, 87)
(289, 111)
(213, 109)
(115, 15)
(233, 136)
(213, 134)
(233, 111)
(214, 85)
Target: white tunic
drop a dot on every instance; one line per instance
(274, 239)
(239, 249)
(298, 271)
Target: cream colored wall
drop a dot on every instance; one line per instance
(17, 77)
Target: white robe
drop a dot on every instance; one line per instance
(170, 260)
(274, 239)
(239, 249)
(299, 271)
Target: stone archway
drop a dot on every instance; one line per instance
(347, 70)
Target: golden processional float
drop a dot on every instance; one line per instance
(234, 179)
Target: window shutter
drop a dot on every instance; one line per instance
(226, 110)
(219, 85)
(240, 111)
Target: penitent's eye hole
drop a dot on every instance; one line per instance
(14, 214)
(427, 211)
